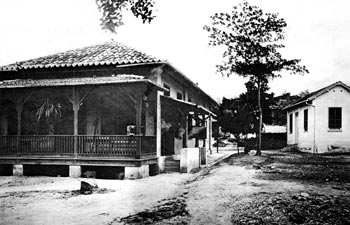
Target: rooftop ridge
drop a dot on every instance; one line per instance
(106, 53)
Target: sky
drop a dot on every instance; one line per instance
(318, 33)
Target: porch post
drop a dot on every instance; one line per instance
(19, 101)
(75, 102)
(138, 107)
(19, 109)
(159, 125)
(203, 123)
(197, 124)
(4, 123)
(185, 136)
(210, 133)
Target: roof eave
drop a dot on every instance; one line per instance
(82, 84)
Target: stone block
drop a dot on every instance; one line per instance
(18, 170)
(75, 171)
(190, 159)
(161, 164)
(137, 172)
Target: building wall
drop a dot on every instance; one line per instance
(189, 93)
(299, 135)
(175, 86)
(325, 139)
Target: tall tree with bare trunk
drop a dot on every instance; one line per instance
(252, 40)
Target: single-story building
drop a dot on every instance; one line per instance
(106, 105)
(320, 121)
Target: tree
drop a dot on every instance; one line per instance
(240, 116)
(112, 11)
(237, 117)
(251, 39)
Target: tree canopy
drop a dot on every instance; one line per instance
(239, 116)
(112, 11)
(252, 40)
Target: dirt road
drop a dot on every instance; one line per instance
(276, 188)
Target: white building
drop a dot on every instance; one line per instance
(320, 121)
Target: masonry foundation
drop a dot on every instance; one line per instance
(17, 170)
(75, 171)
(137, 172)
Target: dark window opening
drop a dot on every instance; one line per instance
(306, 120)
(291, 123)
(166, 93)
(334, 118)
(179, 95)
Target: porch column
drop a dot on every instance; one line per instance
(150, 117)
(138, 107)
(19, 101)
(203, 123)
(197, 125)
(185, 136)
(159, 125)
(19, 109)
(75, 103)
(209, 133)
(4, 122)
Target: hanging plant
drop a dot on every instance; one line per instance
(51, 112)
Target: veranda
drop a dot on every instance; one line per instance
(73, 121)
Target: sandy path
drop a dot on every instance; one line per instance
(211, 200)
(42, 200)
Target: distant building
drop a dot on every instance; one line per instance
(278, 113)
(320, 121)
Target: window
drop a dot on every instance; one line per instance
(179, 95)
(189, 100)
(291, 123)
(166, 93)
(334, 118)
(306, 120)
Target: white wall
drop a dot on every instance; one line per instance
(337, 97)
(300, 136)
(323, 138)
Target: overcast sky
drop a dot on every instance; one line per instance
(318, 33)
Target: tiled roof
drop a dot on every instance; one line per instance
(109, 53)
(317, 93)
(124, 78)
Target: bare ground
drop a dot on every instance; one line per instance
(275, 188)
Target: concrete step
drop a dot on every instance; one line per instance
(169, 170)
(172, 162)
(172, 165)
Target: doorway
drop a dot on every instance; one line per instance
(296, 128)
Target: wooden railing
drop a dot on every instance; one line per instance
(118, 146)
